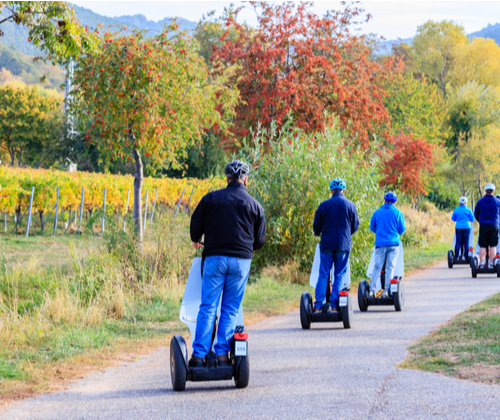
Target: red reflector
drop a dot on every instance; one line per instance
(241, 336)
(497, 256)
(343, 293)
(471, 249)
(394, 281)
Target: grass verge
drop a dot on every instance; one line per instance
(466, 347)
(417, 258)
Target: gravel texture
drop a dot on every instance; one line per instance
(325, 372)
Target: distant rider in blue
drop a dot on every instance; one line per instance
(335, 221)
(234, 226)
(463, 217)
(388, 223)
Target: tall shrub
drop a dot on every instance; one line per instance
(291, 177)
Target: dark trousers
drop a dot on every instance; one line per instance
(462, 242)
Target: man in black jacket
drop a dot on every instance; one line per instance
(234, 226)
(336, 220)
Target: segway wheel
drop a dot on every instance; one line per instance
(399, 298)
(362, 289)
(497, 267)
(450, 259)
(347, 313)
(473, 267)
(242, 376)
(178, 362)
(305, 310)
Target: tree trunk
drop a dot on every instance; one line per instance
(138, 178)
(41, 220)
(12, 156)
(19, 154)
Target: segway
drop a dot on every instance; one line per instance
(396, 296)
(344, 314)
(239, 367)
(461, 261)
(474, 263)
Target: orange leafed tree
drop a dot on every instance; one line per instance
(404, 170)
(299, 64)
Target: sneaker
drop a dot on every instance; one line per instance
(492, 266)
(371, 294)
(384, 295)
(481, 267)
(196, 362)
(334, 309)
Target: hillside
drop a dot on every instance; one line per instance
(491, 31)
(16, 37)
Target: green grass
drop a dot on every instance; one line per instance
(467, 346)
(416, 258)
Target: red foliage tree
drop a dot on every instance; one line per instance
(296, 63)
(410, 160)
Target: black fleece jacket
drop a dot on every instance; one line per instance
(232, 221)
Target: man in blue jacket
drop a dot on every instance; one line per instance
(487, 214)
(336, 220)
(463, 217)
(387, 223)
(234, 226)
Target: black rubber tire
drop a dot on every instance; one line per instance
(305, 310)
(399, 298)
(178, 371)
(497, 266)
(347, 313)
(362, 290)
(242, 376)
(450, 259)
(473, 267)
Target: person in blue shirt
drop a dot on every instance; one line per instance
(462, 216)
(487, 214)
(388, 223)
(335, 221)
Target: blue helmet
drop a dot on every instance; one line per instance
(391, 197)
(338, 184)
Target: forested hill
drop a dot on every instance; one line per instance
(491, 31)
(16, 37)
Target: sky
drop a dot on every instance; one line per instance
(391, 19)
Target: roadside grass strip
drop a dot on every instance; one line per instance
(467, 347)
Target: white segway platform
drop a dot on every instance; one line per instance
(396, 295)
(451, 254)
(239, 367)
(344, 312)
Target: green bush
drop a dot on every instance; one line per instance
(291, 177)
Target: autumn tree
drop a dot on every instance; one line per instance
(472, 107)
(296, 64)
(405, 169)
(436, 46)
(53, 27)
(147, 99)
(28, 122)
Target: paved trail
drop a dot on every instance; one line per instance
(326, 372)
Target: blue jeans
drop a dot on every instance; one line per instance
(227, 276)
(328, 260)
(462, 242)
(383, 254)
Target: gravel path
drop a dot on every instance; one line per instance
(326, 372)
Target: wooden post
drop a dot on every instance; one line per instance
(189, 201)
(57, 212)
(81, 211)
(126, 211)
(154, 206)
(29, 212)
(5, 221)
(179, 203)
(103, 211)
(146, 209)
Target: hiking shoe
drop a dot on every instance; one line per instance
(371, 294)
(196, 362)
(384, 295)
(223, 360)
